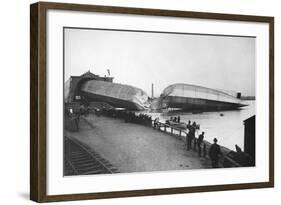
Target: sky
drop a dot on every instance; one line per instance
(142, 58)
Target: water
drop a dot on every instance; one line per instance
(228, 129)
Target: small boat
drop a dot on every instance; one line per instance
(180, 125)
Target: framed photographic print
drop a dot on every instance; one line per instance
(134, 102)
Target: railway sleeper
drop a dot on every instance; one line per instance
(78, 162)
(91, 168)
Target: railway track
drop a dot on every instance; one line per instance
(80, 160)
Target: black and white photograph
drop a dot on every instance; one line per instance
(151, 101)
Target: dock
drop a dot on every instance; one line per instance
(131, 147)
(181, 134)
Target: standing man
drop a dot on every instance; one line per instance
(214, 153)
(190, 137)
(199, 142)
(188, 125)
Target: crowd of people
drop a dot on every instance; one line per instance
(214, 151)
(191, 134)
(175, 119)
(128, 116)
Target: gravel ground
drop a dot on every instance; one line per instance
(135, 148)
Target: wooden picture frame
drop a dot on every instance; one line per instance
(38, 100)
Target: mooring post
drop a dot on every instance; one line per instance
(171, 131)
(165, 128)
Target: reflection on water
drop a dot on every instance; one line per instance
(226, 126)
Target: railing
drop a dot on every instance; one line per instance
(182, 134)
(202, 149)
(158, 125)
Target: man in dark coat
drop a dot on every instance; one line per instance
(214, 153)
(199, 142)
(190, 137)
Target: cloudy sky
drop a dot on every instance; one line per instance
(143, 58)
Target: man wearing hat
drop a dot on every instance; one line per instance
(214, 153)
(199, 142)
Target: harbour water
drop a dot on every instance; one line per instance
(226, 126)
